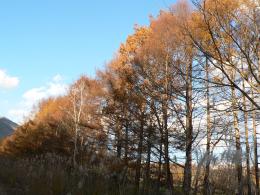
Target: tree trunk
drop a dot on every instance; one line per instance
(148, 159)
(247, 143)
(160, 164)
(255, 151)
(166, 132)
(238, 144)
(167, 161)
(75, 146)
(139, 153)
(126, 144)
(189, 132)
(208, 150)
(119, 141)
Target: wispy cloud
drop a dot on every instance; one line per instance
(7, 81)
(32, 97)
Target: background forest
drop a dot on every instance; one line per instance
(176, 111)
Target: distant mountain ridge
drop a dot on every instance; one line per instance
(7, 127)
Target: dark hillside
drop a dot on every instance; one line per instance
(6, 127)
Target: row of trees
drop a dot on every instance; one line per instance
(180, 96)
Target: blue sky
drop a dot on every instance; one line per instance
(47, 44)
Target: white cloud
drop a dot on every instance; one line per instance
(32, 97)
(6, 81)
(35, 95)
(57, 78)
